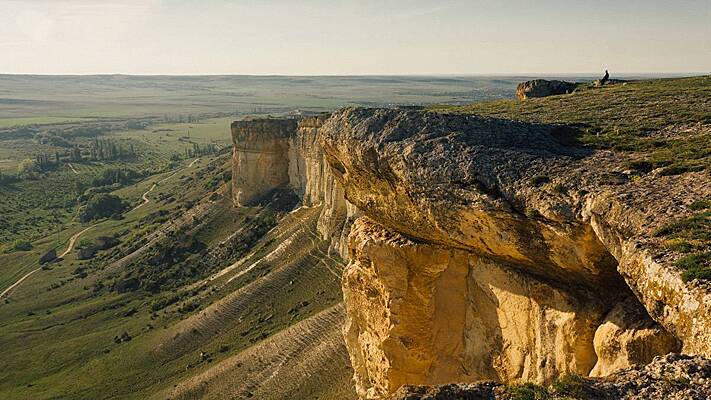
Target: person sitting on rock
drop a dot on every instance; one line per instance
(605, 78)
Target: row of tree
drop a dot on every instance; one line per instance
(204, 150)
(107, 149)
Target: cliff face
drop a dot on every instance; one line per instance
(284, 154)
(259, 158)
(491, 249)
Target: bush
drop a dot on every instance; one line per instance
(696, 266)
(571, 385)
(49, 256)
(27, 168)
(21, 245)
(113, 176)
(103, 205)
(527, 391)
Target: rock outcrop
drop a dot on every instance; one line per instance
(543, 88)
(284, 154)
(260, 162)
(430, 314)
(486, 249)
(627, 338)
(672, 377)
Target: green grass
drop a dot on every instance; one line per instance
(58, 312)
(43, 120)
(31, 208)
(622, 117)
(527, 391)
(691, 236)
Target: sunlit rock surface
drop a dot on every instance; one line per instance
(486, 248)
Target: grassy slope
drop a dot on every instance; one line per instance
(57, 337)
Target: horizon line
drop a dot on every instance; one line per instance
(517, 74)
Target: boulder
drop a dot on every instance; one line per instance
(48, 257)
(543, 88)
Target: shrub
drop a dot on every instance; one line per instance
(696, 266)
(571, 385)
(101, 206)
(21, 245)
(527, 391)
(27, 169)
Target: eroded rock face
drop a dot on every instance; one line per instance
(628, 337)
(489, 249)
(285, 154)
(543, 88)
(259, 158)
(464, 182)
(429, 314)
(518, 195)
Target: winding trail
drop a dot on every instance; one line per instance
(70, 247)
(73, 240)
(146, 200)
(19, 281)
(75, 237)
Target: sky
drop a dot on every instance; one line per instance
(338, 37)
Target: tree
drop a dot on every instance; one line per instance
(102, 205)
(26, 167)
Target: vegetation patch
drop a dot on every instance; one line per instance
(103, 205)
(527, 391)
(691, 236)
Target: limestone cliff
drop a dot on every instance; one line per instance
(487, 248)
(284, 154)
(259, 159)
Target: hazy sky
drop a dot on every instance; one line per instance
(354, 37)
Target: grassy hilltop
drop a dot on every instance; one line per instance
(627, 117)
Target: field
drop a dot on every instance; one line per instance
(28, 100)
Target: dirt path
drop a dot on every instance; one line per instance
(146, 200)
(70, 247)
(73, 240)
(19, 281)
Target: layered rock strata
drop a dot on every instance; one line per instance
(284, 154)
